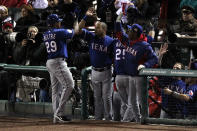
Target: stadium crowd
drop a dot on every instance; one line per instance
(158, 23)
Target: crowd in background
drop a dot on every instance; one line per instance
(22, 23)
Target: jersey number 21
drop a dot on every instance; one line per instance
(120, 54)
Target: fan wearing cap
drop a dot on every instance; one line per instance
(61, 78)
(7, 27)
(189, 22)
(4, 17)
(132, 53)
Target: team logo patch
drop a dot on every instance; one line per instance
(191, 93)
(69, 31)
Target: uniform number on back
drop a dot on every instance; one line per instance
(120, 54)
(51, 46)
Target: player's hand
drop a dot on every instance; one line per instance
(90, 11)
(140, 67)
(118, 19)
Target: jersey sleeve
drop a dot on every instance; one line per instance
(68, 33)
(87, 35)
(120, 33)
(152, 58)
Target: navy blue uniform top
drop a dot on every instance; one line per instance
(100, 49)
(191, 105)
(128, 57)
(55, 41)
(173, 104)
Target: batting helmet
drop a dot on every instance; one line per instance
(52, 19)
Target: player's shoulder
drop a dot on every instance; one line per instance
(109, 39)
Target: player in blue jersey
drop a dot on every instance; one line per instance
(174, 106)
(60, 75)
(189, 96)
(132, 54)
(101, 50)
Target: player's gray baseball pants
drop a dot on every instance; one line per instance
(128, 90)
(102, 85)
(61, 77)
(119, 108)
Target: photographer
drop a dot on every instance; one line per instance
(30, 51)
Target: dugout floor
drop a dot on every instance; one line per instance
(16, 123)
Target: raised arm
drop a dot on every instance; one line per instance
(82, 23)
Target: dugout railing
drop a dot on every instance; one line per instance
(168, 73)
(144, 107)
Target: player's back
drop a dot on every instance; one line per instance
(55, 41)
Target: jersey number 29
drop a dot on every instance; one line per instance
(51, 46)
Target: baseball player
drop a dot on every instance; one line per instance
(100, 48)
(130, 51)
(61, 77)
(189, 96)
(175, 106)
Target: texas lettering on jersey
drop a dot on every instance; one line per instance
(99, 47)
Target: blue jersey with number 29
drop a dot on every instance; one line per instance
(55, 42)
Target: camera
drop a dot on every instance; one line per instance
(19, 36)
(182, 39)
(14, 36)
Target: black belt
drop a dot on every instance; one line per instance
(101, 69)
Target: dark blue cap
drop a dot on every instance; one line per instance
(53, 18)
(136, 28)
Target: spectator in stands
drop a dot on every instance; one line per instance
(38, 4)
(31, 51)
(4, 17)
(188, 23)
(7, 43)
(28, 18)
(69, 11)
(52, 8)
(106, 12)
(13, 3)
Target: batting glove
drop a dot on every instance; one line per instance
(140, 67)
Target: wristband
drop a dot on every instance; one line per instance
(175, 94)
(85, 18)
